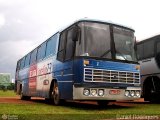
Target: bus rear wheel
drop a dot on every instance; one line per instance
(22, 97)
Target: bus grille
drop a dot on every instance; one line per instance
(110, 76)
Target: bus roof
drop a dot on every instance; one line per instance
(83, 20)
(95, 20)
(156, 37)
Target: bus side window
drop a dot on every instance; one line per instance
(70, 44)
(22, 63)
(51, 45)
(140, 51)
(157, 57)
(27, 60)
(158, 48)
(18, 65)
(33, 57)
(61, 49)
(149, 52)
(41, 51)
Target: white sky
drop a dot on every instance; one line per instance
(142, 15)
(26, 23)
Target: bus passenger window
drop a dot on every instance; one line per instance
(140, 54)
(33, 57)
(157, 57)
(149, 52)
(27, 60)
(22, 63)
(18, 65)
(51, 45)
(41, 51)
(158, 48)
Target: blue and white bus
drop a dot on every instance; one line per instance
(88, 60)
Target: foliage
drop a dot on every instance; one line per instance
(9, 86)
(4, 78)
(5, 83)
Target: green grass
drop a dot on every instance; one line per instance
(8, 93)
(39, 110)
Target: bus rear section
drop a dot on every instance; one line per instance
(92, 60)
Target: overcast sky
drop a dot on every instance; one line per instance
(24, 24)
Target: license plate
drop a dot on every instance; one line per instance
(114, 92)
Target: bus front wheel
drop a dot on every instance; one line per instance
(55, 94)
(151, 91)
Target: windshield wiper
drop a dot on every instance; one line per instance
(121, 55)
(105, 53)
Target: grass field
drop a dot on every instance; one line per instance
(39, 110)
(8, 93)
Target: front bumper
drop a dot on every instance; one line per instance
(78, 94)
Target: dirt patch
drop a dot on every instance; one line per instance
(130, 103)
(18, 100)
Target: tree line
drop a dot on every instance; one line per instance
(8, 86)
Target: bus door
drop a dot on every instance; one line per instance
(65, 56)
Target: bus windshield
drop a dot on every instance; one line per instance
(124, 44)
(95, 41)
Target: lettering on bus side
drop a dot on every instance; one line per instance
(32, 78)
(45, 69)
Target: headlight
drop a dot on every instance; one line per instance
(86, 92)
(132, 93)
(127, 93)
(93, 92)
(138, 94)
(100, 92)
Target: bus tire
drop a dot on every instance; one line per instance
(56, 95)
(22, 97)
(47, 100)
(150, 94)
(102, 103)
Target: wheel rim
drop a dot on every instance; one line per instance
(56, 94)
